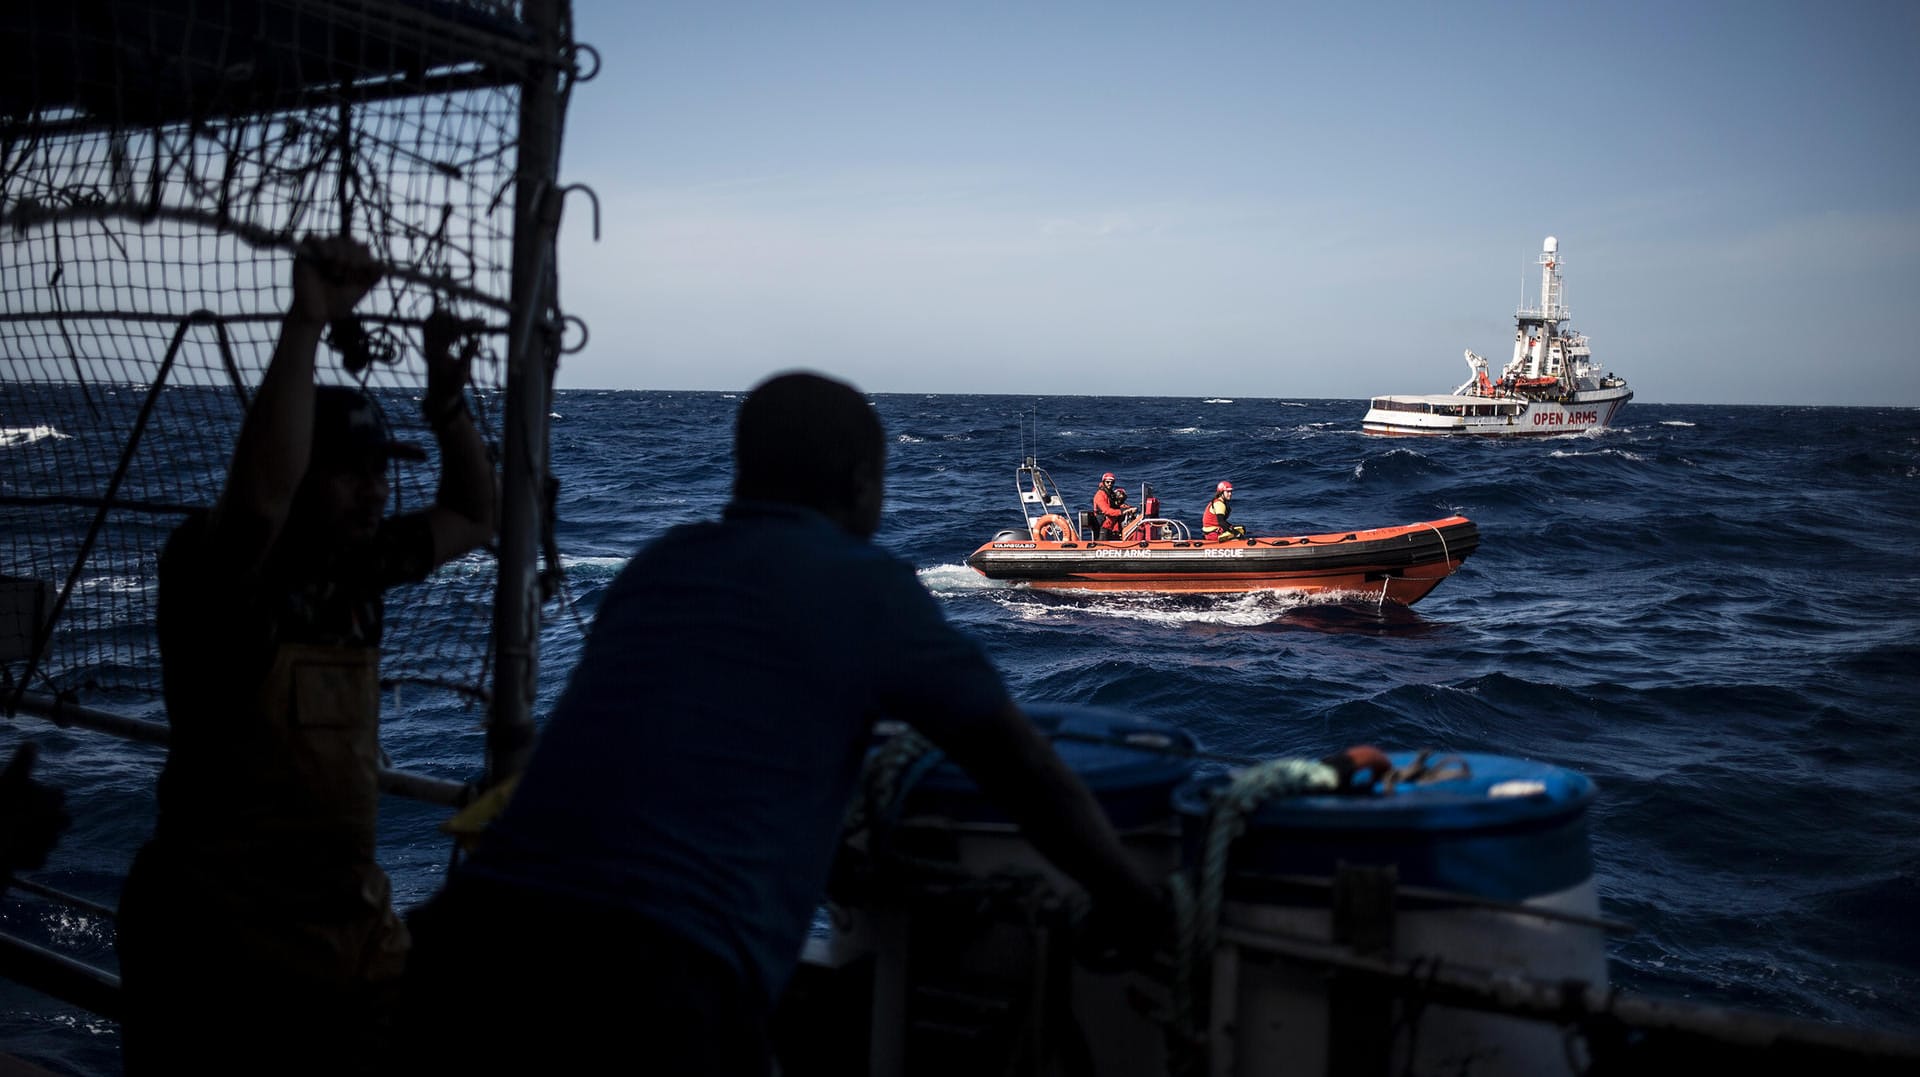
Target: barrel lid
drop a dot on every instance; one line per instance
(1129, 764)
(1497, 791)
(1510, 830)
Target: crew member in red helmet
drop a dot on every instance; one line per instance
(1213, 523)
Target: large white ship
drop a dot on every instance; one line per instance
(1550, 386)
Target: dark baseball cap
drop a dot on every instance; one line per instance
(350, 430)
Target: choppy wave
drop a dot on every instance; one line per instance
(15, 436)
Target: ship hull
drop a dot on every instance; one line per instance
(1398, 564)
(1493, 416)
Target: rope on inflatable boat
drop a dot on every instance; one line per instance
(1387, 577)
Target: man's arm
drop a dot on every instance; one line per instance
(463, 514)
(276, 437)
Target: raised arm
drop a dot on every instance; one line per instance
(464, 509)
(276, 437)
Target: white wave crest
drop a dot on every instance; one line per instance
(593, 565)
(117, 585)
(1217, 400)
(1360, 466)
(1249, 608)
(11, 436)
(1569, 454)
(1675, 422)
(955, 579)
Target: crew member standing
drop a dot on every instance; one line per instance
(1110, 510)
(256, 932)
(1213, 523)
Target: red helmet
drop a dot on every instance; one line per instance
(1223, 487)
(1108, 477)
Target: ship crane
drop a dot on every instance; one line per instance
(1477, 383)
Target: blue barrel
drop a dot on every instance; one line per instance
(1503, 868)
(1131, 767)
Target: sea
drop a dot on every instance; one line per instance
(1712, 611)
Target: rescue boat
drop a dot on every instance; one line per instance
(1057, 551)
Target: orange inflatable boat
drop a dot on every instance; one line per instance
(1390, 564)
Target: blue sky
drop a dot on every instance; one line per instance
(1261, 200)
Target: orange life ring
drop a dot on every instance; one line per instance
(1038, 529)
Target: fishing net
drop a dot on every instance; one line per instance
(159, 163)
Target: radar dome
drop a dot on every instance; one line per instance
(1553, 245)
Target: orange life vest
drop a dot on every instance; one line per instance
(1214, 520)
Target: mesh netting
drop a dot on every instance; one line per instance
(159, 162)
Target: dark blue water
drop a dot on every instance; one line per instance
(1712, 611)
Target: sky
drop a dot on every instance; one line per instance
(1267, 200)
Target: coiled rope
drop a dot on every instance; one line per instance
(892, 770)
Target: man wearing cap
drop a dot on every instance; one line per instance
(256, 919)
(1110, 510)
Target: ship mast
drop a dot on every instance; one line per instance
(1539, 326)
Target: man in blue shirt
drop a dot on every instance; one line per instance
(678, 820)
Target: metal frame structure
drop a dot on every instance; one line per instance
(434, 47)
